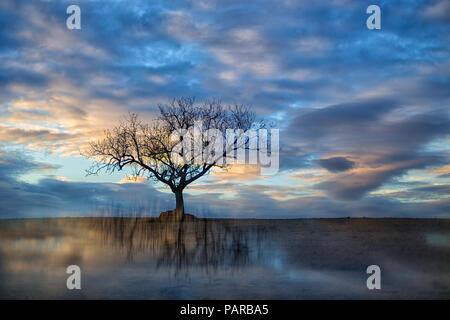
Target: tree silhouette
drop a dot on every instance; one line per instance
(179, 147)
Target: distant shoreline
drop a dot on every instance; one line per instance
(243, 219)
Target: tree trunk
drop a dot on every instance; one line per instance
(179, 210)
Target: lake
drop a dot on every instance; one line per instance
(144, 258)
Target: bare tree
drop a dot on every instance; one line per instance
(169, 149)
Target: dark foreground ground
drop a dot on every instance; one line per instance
(142, 258)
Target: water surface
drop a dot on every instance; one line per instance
(142, 258)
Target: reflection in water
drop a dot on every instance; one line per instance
(144, 258)
(181, 246)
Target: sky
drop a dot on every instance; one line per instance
(363, 114)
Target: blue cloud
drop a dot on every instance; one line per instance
(379, 98)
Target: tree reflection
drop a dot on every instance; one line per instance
(206, 244)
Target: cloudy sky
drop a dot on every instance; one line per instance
(363, 114)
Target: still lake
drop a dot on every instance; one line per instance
(143, 258)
